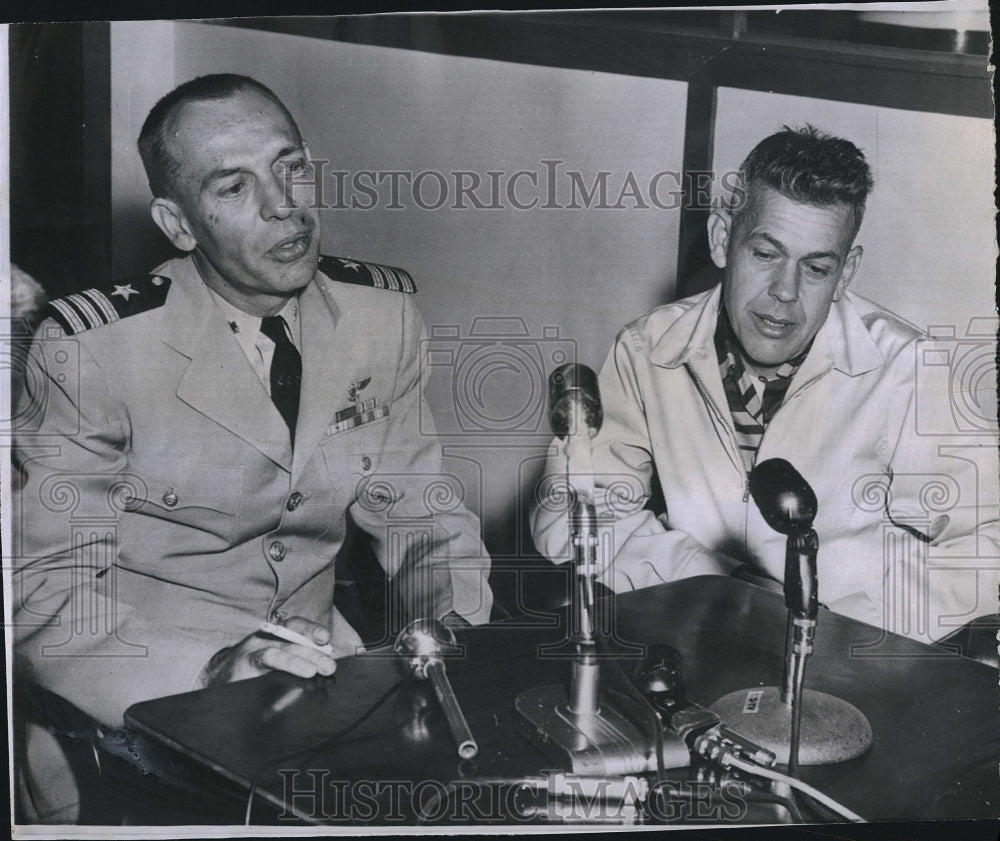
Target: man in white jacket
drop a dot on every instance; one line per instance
(782, 361)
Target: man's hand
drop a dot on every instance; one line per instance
(256, 655)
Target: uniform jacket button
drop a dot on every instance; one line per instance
(170, 498)
(276, 551)
(366, 463)
(294, 501)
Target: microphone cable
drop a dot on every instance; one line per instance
(727, 759)
(769, 773)
(662, 788)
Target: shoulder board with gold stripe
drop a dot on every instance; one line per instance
(346, 270)
(92, 308)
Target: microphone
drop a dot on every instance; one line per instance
(661, 679)
(792, 719)
(577, 724)
(574, 401)
(788, 505)
(421, 645)
(575, 409)
(786, 502)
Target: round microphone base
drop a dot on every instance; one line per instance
(832, 730)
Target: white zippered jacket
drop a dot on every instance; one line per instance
(895, 433)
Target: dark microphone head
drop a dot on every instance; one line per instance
(785, 500)
(661, 677)
(574, 400)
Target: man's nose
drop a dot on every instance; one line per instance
(785, 283)
(278, 199)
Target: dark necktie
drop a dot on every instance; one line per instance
(286, 370)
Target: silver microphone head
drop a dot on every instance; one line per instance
(574, 400)
(424, 641)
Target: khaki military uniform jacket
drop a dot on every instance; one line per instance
(162, 513)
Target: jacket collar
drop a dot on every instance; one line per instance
(219, 381)
(189, 306)
(843, 341)
(221, 384)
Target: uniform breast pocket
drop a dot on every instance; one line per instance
(192, 492)
(354, 452)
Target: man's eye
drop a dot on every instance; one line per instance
(231, 190)
(818, 271)
(763, 255)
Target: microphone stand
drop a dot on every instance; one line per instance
(803, 607)
(585, 678)
(796, 724)
(581, 727)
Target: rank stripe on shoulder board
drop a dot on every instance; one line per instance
(359, 273)
(90, 308)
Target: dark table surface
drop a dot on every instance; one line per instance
(934, 714)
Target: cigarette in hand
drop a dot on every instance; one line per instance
(288, 635)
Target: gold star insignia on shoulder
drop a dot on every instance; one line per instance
(125, 291)
(90, 308)
(360, 273)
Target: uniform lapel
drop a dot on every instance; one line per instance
(329, 360)
(219, 381)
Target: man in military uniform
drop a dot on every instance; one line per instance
(222, 424)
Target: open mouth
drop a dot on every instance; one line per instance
(774, 328)
(291, 248)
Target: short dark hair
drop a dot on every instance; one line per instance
(161, 167)
(808, 166)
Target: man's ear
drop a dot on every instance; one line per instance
(170, 219)
(851, 266)
(720, 228)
